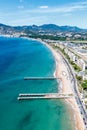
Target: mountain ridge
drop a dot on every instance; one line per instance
(49, 28)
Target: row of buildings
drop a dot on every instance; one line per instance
(81, 63)
(76, 59)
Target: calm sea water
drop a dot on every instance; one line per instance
(20, 58)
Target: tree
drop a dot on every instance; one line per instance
(84, 84)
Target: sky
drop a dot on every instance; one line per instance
(38, 12)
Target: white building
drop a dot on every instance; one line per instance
(66, 50)
(81, 64)
(72, 56)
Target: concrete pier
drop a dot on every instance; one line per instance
(44, 96)
(40, 78)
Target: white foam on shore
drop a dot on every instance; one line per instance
(54, 74)
(32, 39)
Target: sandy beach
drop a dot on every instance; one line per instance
(67, 87)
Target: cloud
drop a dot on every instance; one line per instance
(20, 7)
(70, 8)
(67, 14)
(24, 15)
(81, 3)
(43, 7)
(77, 6)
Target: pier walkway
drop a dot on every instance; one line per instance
(28, 96)
(40, 78)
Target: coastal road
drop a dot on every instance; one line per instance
(75, 90)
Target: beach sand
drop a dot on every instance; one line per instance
(63, 74)
(67, 86)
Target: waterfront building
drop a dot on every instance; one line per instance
(72, 56)
(81, 64)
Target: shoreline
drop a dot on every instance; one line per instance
(61, 67)
(59, 73)
(65, 84)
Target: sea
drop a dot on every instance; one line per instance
(21, 58)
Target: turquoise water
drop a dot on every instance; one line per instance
(20, 58)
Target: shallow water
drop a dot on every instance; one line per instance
(20, 58)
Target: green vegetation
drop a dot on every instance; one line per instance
(53, 36)
(86, 71)
(84, 84)
(75, 66)
(50, 37)
(79, 78)
(62, 50)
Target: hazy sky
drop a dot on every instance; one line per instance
(28, 12)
